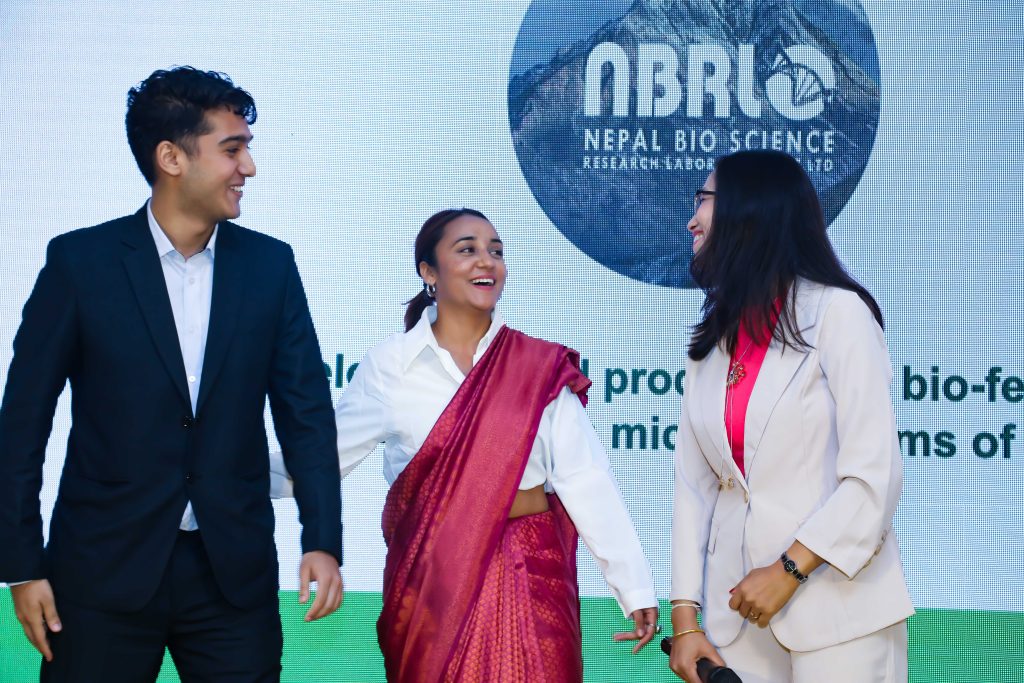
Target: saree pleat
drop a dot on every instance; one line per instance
(525, 623)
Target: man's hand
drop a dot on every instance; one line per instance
(35, 608)
(321, 567)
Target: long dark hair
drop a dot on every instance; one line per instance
(767, 230)
(425, 250)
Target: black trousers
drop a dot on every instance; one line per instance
(209, 639)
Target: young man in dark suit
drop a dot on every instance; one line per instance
(173, 327)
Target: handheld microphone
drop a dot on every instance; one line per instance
(707, 671)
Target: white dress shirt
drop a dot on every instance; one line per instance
(190, 288)
(402, 386)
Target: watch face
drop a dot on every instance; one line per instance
(789, 565)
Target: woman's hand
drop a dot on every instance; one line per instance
(686, 650)
(762, 593)
(645, 622)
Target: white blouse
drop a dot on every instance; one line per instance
(400, 389)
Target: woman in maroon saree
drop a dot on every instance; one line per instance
(494, 468)
(468, 593)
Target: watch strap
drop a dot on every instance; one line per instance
(791, 568)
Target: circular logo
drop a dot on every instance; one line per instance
(619, 108)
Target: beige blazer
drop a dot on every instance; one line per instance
(823, 466)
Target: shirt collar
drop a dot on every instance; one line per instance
(163, 243)
(421, 336)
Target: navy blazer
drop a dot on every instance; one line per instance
(100, 316)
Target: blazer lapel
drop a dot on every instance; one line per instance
(779, 368)
(146, 275)
(711, 400)
(229, 277)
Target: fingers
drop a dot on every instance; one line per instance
(638, 627)
(316, 610)
(304, 572)
(643, 641)
(687, 671)
(36, 632)
(646, 627)
(649, 619)
(739, 603)
(684, 666)
(336, 596)
(35, 609)
(35, 629)
(628, 635)
(323, 569)
(50, 614)
(639, 623)
(752, 612)
(328, 599)
(761, 594)
(685, 653)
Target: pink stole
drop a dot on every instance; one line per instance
(445, 514)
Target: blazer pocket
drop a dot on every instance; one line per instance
(77, 489)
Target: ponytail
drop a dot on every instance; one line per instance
(414, 308)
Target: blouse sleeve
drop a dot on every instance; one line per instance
(361, 416)
(581, 476)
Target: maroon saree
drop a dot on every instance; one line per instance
(470, 595)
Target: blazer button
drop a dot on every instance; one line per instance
(187, 422)
(188, 477)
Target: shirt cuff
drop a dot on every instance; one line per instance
(281, 485)
(641, 598)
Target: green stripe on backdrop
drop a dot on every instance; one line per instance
(945, 645)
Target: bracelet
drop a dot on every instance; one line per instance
(683, 604)
(687, 632)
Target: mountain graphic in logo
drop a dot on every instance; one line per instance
(619, 109)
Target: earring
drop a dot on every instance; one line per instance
(431, 290)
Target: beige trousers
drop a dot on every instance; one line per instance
(879, 657)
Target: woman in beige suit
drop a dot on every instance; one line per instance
(788, 468)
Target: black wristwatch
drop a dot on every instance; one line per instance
(790, 567)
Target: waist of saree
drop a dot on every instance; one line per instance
(529, 502)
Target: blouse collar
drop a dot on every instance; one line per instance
(421, 336)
